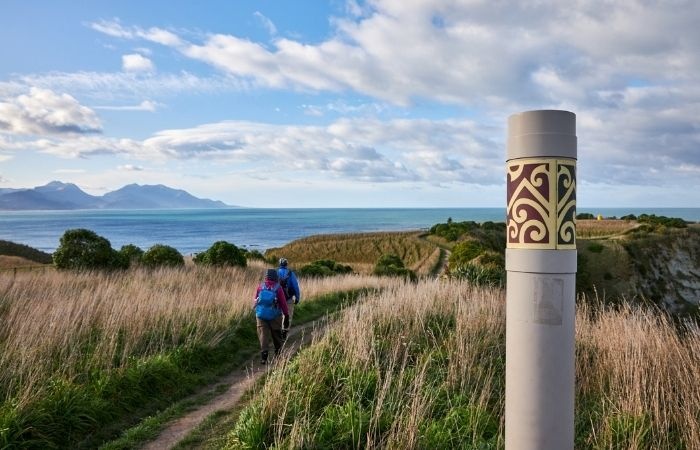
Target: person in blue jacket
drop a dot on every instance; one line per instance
(290, 285)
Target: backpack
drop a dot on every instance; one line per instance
(286, 285)
(266, 307)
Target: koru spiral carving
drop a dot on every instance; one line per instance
(542, 203)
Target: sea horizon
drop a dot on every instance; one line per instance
(194, 230)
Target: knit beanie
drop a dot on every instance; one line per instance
(271, 274)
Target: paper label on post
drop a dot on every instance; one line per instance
(548, 300)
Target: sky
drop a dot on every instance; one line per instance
(383, 103)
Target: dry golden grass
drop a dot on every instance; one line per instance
(359, 250)
(64, 324)
(590, 228)
(638, 377)
(639, 366)
(11, 262)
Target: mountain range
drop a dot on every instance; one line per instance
(65, 196)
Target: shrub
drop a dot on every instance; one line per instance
(220, 254)
(480, 275)
(595, 247)
(131, 253)
(83, 249)
(585, 216)
(392, 266)
(324, 268)
(254, 254)
(465, 252)
(162, 255)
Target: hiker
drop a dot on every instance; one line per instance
(290, 285)
(271, 314)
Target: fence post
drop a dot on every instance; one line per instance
(541, 280)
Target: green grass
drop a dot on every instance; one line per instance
(227, 356)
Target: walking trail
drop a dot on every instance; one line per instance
(239, 381)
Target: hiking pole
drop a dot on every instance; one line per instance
(541, 280)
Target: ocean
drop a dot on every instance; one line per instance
(192, 231)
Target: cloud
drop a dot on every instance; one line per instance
(130, 168)
(136, 63)
(4, 158)
(124, 85)
(352, 149)
(471, 53)
(267, 23)
(69, 171)
(44, 112)
(146, 105)
(154, 34)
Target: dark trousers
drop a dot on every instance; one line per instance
(270, 329)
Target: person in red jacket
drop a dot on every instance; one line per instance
(271, 313)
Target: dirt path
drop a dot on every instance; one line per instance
(238, 381)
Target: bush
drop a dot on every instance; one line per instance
(390, 265)
(254, 254)
(131, 253)
(585, 216)
(220, 254)
(465, 252)
(324, 268)
(162, 255)
(480, 275)
(82, 249)
(595, 247)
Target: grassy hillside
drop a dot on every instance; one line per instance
(428, 372)
(361, 250)
(83, 353)
(659, 265)
(26, 252)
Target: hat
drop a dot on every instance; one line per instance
(271, 274)
(283, 262)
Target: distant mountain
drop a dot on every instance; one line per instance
(65, 196)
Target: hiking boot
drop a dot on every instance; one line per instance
(263, 357)
(283, 335)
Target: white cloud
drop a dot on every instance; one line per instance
(130, 168)
(353, 149)
(124, 85)
(69, 171)
(266, 22)
(43, 111)
(154, 34)
(136, 63)
(4, 157)
(146, 105)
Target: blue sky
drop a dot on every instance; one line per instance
(346, 103)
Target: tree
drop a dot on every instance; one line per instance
(220, 254)
(162, 255)
(83, 249)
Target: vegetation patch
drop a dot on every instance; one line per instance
(428, 371)
(8, 248)
(359, 250)
(122, 346)
(324, 268)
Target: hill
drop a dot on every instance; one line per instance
(23, 253)
(362, 250)
(66, 196)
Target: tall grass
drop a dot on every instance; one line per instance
(415, 367)
(589, 228)
(423, 367)
(67, 335)
(360, 250)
